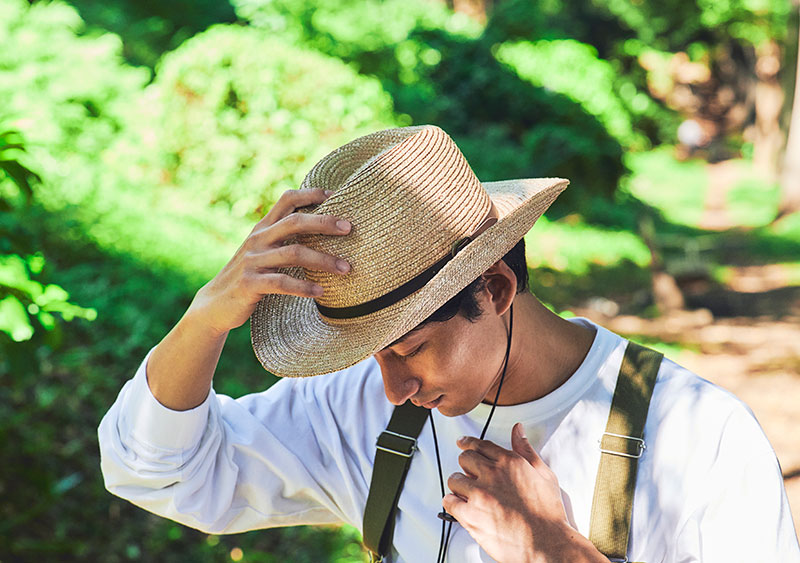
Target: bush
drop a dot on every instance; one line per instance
(25, 304)
(573, 69)
(66, 94)
(239, 117)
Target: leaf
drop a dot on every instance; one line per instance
(14, 275)
(21, 176)
(14, 319)
(11, 146)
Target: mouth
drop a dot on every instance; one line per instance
(432, 404)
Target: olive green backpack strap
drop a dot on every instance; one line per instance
(621, 446)
(394, 449)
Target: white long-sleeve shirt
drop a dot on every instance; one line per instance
(708, 489)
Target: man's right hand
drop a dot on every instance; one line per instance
(229, 299)
(180, 368)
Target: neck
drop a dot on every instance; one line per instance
(545, 351)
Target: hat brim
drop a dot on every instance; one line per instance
(291, 339)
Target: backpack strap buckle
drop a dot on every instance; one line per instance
(397, 444)
(633, 449)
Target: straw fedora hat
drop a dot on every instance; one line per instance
(423, 228)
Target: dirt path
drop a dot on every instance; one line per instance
(757, 356)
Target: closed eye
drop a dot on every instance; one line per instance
(414, 353)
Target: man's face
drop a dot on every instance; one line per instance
(451, 365)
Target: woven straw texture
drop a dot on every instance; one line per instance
(409, 194)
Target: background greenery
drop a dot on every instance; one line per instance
(139, 142)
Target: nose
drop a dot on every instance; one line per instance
(398, 384)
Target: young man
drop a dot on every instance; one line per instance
(397, 269)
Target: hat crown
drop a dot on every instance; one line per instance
(409, 194)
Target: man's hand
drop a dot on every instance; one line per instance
(229, 299)
(180, 369)
(510, 503)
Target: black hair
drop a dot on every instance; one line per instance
(466, 300)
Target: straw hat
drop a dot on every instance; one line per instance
(423, 228)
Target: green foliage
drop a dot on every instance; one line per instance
(28, 324)
(675, 24)
(573, 69)
(149, 28)
(240, 117)
(753, 201)
(66, 94)
(677, 189)
(24, 302)
(575, 247)
(11, 169)
(440, 69)
(23, 299)
(348, 29)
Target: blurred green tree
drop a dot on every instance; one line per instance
(440, 68)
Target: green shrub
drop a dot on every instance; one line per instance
(66, 94)
(25, 303)
(573, 69)
(239, 117)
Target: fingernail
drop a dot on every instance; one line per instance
(328, 193)
(343, 226)
(342, 266)
(462, 439)
(317, 290)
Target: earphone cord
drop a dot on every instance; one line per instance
(445, 517)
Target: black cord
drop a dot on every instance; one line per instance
(446, 541)
(445, 517)
(436, 446)
(502, 377)
(441, 481)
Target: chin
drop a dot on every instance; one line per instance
(453, 410)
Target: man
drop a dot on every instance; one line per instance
(397, 269)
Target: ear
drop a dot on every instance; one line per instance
(501, 287)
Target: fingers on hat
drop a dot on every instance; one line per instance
(278, 283)
(307, 224)
(297, 255)
(291, 200)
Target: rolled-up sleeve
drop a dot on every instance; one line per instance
(225, 466)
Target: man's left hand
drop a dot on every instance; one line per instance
(510, 503)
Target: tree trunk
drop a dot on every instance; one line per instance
(667, 296)
(790, 178)
(769, 102)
